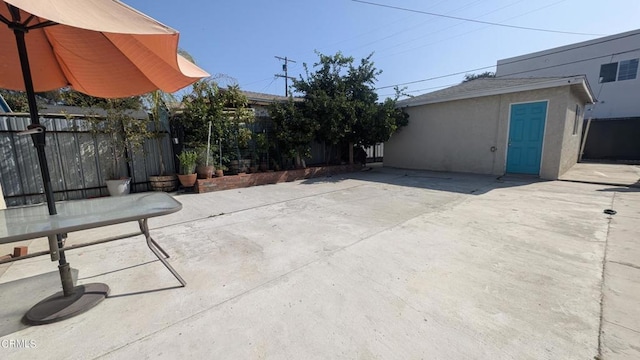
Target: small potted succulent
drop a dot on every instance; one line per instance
(187, 174)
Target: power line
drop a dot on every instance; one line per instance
(572, 62)
(422, 23)
(418, 90)
(465, 33)
(526, 59)
(510, 74)
(472, 20)
(268, 85)
(257, 81)
(444, 29)
(435, 77)
(378, 28)
(413, 27)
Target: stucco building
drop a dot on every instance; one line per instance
(611, 66)
(494, 126)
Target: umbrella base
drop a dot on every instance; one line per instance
(58, 307)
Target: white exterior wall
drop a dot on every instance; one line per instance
(616, 99)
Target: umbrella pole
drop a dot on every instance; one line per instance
(39, 140)
(71, 300)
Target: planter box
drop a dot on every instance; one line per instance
(273, 177)
(166, 183)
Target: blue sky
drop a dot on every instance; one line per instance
(240, 38)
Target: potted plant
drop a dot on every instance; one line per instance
(220, 161)
(205, 163)
(187, 174)
(119, 135)
(220, 170)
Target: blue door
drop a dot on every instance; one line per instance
(526, 133)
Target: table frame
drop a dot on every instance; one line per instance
(60, 305)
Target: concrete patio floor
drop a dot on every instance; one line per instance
(603, 173)
(382, 264)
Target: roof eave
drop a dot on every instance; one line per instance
(507, 90)
(587, 89)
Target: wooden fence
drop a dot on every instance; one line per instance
(79, 161)
(77, 158)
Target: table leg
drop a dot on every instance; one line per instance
(157, 250)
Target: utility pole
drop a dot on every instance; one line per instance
(286, 73)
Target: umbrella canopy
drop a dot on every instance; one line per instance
(102, 48)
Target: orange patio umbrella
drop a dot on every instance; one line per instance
(102, 48)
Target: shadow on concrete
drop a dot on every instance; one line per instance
(463, 183)
(20, 295)
(621, 189)
(602, 173)
(142, 292)
(131, 293)
(117, 270)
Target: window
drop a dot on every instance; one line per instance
(608, 72)
(576, 120)
(628, 69)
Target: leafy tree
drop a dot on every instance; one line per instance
(484, 75)
(122, 134)
(226, 109)
(17, 100)
(327, 98)
(388, 119)
(159, 103)
(201, 106)
(341, 98)
(71, 97)
(292, 129)
(237, 117)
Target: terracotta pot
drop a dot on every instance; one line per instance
(205, 172)
(219, 173)
(188, 180)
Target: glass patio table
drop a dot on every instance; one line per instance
(31, 222)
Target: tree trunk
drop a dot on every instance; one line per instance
(298, 161)
(160, 153)
(156, 97)
(350, 153)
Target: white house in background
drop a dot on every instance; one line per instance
(611, 67)
(610, 64)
